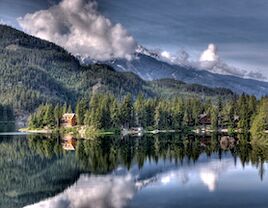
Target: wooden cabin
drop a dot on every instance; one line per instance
(204, 119)
(68, 120)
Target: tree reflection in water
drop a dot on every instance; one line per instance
(39, 167)
(105, 154)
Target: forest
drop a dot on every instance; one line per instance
(103, 111)
(6, 113)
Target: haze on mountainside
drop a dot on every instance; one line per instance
(80, 27)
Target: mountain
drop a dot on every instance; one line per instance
(149, 66)
(34, 71)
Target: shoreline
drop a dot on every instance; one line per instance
(36, 131)
(82, 131)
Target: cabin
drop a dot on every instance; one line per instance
(68, 120)
(204, 119)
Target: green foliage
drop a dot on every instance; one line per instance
(80, 110)
(127, 112)
(6, 113)
(260, 121)
(214, 119)
(46, 116)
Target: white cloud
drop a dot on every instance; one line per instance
(211, 61)
(77, 26)
(180, 58)
(166, 54)
(210, 54)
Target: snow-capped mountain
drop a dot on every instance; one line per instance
(150, 65)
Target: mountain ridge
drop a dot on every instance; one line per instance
(149, 67)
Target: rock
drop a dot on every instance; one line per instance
(227, 142)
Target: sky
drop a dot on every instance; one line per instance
(238, 29)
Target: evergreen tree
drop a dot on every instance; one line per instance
(140, 110)
(260, 121)
(49, 118)
(69, 110)
(115, 114)
(126, 112)
(80, 110)
(244, 114)
(214, 119)
(57, 114)
(64, 108)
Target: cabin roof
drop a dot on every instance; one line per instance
(69, 115)
(204, 115)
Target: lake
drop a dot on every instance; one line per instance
(165, 170)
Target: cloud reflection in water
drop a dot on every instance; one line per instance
(93, 192)
(117, 190)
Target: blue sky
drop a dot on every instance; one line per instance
(238, 28)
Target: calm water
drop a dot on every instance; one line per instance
(152, 171)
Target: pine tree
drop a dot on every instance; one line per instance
(158, 116)
(80, 110)
(214, 119)
(260, 122)
(69, 110)
(126, 112)
(58, 115)
(244, 114)
(49, 118)
(64, 108)
(139, 110)
(115, 115)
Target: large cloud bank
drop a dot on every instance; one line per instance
(77, 26)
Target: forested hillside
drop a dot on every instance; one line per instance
(34, 71)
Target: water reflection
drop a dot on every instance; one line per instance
(118, 189)
(95, 192)
(41, 171)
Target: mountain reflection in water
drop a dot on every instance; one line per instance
(152, 171)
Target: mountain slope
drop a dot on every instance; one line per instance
(34, 71)
(148, 67)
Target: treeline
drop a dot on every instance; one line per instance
(104, 111)
(48, 115)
